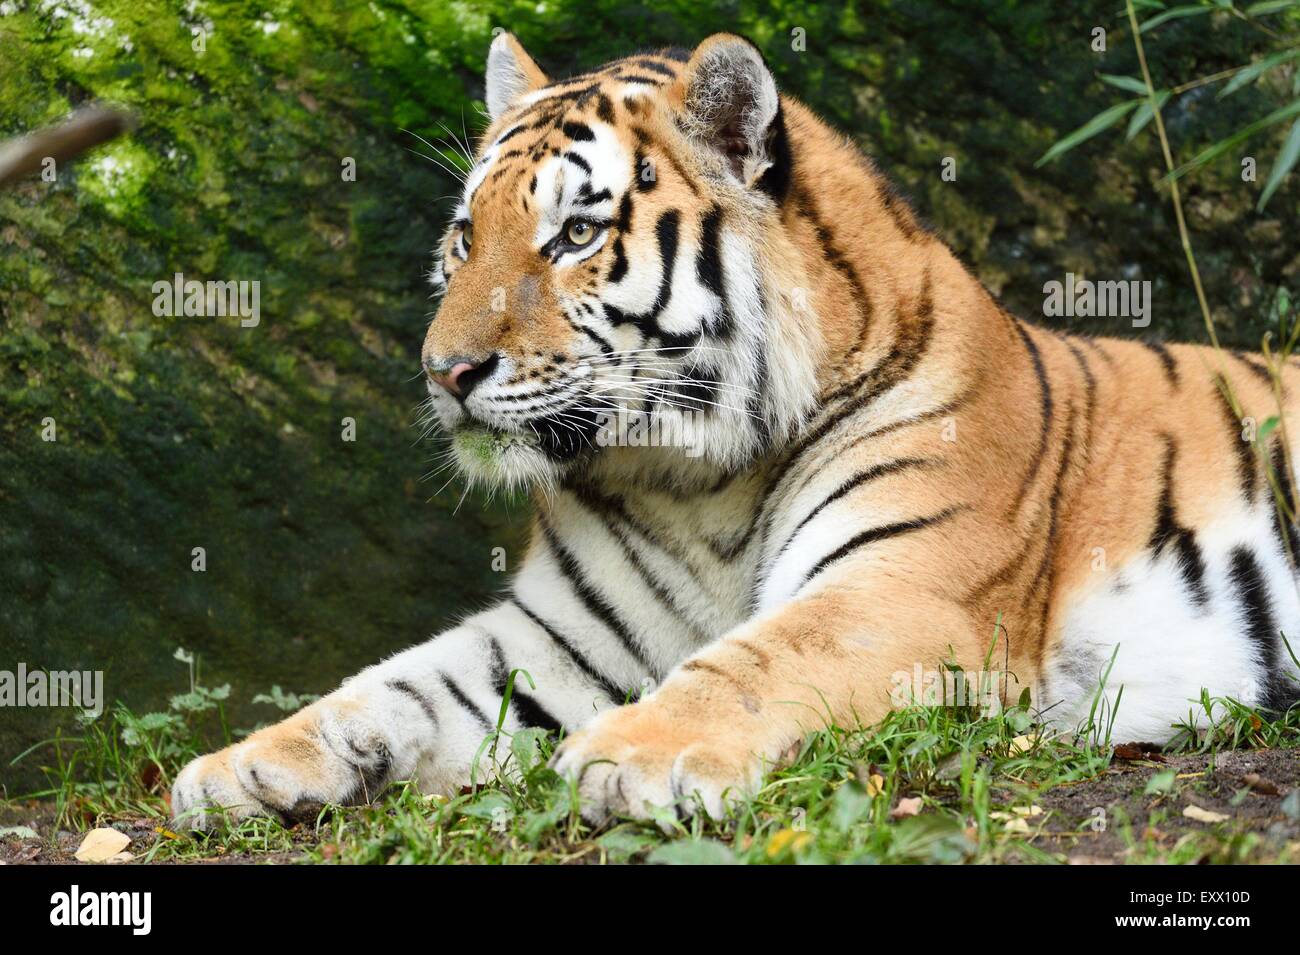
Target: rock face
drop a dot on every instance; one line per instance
(272, 151)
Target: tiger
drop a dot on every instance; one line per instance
(860, 465)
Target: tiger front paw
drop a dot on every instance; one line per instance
(288, 772)
(638, 760)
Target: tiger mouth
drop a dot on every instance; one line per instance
(559, 439)
(487, 442)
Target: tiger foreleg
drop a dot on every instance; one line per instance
(421, 715)
(705, 737)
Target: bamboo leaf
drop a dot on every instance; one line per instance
(1286, 159)
(1175, 13)
(1130, 83)
(1257, 69)
(1222, 146)
(1270, 6)
(1144, 114)
(1099, 123)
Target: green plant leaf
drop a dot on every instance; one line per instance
(1144, 114)
(1099, 123)
(493, 806)
(1176, 13)
(1270, 6)
(526, 745)
(1265, 429)
(1020, 719)
(921, 744)
(1254, 71)
(1130, 83)
(1160, 783)
(1222, 146)
(693, 852)
(1286, 159)
(848, 805)
(623, 844)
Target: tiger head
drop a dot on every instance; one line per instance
(618, 289)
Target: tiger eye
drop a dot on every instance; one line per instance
(467, 236)
(580, 232)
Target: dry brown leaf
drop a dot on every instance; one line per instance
(1139, 751)
(100, 845)
(863, 772)
(1023, 744)
(1261, 785)
(949, 767)
(1204, 815)
(1017, 820)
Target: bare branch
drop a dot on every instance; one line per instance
(85, 129)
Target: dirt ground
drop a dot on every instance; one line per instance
(1096, 821)
(144, 833)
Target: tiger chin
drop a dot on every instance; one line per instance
(861, 464)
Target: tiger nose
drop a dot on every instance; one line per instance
(461, 376)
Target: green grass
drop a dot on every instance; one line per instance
(990, 789)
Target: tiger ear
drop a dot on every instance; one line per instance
(730, 104)
(511, 74)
